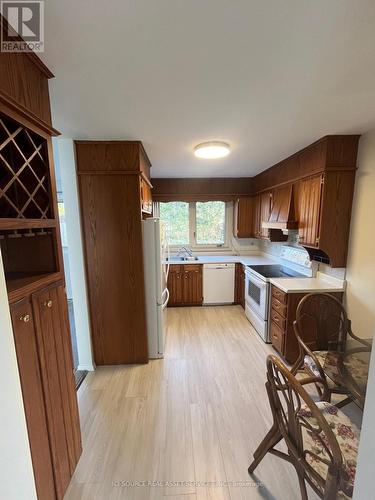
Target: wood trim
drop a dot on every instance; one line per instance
(24, 113)
(196, 189)
(32, 285)
(27, 223)
(111, 172)
(31, 55)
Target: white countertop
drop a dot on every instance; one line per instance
(322, 283)
(246, 260)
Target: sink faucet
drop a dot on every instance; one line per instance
(184, 251)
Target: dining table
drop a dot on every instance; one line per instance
(350, 368)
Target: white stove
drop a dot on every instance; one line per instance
(257, 291)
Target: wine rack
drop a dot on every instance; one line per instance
(25, 186)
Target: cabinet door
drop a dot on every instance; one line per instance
(240, 285)
(309, 211)
(192, 285)
(256, 216)
(33, 399)
(58, 383)
(265, 211)
(243, 218)
(175, 287)
(146, 197)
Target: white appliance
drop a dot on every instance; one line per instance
(256, 303)
(155, 253)
(218, 283)
(257, 291)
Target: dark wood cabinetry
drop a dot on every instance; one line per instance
(282, 314)
(239, 285)
(265, 211)
(310, 196)
(34, 273)
(243, 217)
(185, 285)
(109, 176)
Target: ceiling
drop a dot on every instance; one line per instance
(267, 76)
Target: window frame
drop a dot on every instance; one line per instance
(193, 245)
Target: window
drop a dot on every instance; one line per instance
(176, 217)
(197, 224)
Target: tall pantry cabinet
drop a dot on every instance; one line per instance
(33, 266)
(115, 193)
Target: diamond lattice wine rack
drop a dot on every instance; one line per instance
(28, 227)
(24, 173)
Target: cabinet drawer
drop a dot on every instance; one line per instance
(278, 320)
(279, 295)
(279, 307)
(277, 337)
(175, 268)
(189, 268)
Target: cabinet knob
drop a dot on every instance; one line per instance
(48, 303)
(25, 318)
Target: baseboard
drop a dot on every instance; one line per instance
(88, 368)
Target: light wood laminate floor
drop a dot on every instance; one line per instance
(192, 419)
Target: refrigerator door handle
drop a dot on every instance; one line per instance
(165, 303)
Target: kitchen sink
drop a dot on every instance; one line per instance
(177, 258)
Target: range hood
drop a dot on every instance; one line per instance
(282, 215)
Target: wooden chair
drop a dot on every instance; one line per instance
(322, 329)
(322, 443)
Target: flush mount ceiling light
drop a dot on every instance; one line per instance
(212, 150)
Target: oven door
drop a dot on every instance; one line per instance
(256, 295)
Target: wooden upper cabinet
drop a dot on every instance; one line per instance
(309, 205)
(265, 212)
(146, 196)
(256, 216)
(243, 218)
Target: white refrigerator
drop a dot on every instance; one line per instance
(156, 268)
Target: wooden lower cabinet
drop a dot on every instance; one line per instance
(282, 315)
(185, 285)
(239, 285)
(44, 355)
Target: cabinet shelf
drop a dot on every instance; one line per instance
(8, 223)
(21, 284)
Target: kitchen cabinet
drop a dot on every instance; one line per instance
(243, 218)
(265, 212)
(175, 285)
(109, 176)
(146, 195)
(239, 292)
(34, 273)
(45, 361)
(310, 195)
(185, 285)
(282, 315)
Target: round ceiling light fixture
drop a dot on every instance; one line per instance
(212, 150)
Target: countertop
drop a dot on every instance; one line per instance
(246, 260)
(322, 283)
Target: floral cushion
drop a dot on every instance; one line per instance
(347, 436)
(325, 358)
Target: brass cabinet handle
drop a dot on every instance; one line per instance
(48, 303)
(25, 318)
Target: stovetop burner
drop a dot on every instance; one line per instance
(276, 271)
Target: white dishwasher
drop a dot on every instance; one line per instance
(218, 283)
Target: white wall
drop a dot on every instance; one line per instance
(16, 473)
(360, 296)
(65, 162)
(360, 299)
